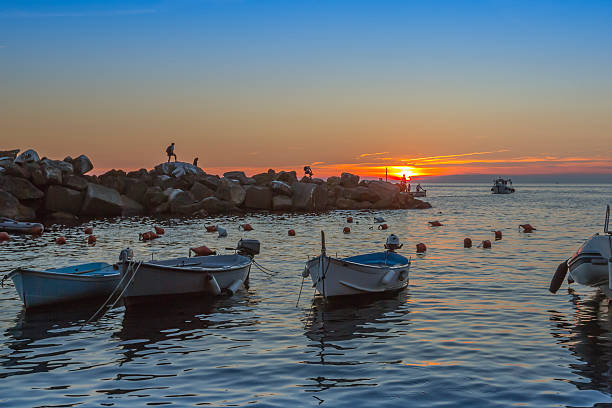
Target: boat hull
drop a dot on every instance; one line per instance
(155, 279)
(40, 288)
(589, 265)
(345, 278)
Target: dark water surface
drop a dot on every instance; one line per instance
(475, 327)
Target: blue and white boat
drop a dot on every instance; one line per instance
(374, 273)
(58, 285)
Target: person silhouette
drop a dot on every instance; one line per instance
(170, 152)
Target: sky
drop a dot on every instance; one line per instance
(415, 87)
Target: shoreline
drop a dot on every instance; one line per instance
(61, 191)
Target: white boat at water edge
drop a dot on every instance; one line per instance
(591, 265)
(367, 274)
(210, 275)
(502, 186)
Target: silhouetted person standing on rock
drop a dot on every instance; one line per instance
(195, 162)
(170, 152)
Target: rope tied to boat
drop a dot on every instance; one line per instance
(6, 276)
(265, 270)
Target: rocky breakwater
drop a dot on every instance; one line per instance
(60, 191)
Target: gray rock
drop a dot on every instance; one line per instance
(210, 181)
(258, 198)
(231, 190)
(303, 196)
(360, 193)
(178, 169)
(332, 181)
(282, 203)
(154, 197)
(282, 188)
(200, 191)
(130, 207)
(289, 177)
(68, 159)
(10, 207)
(346, 204)
(236, 175)
(16, 170)
(27, 157)
(101, 201)
(81, 165)
(384, 191)
(74, 182)
(63, 199)
(213, 206)
(317, 180)
(61, 218)
(263, 179)
(37, 176)
(179, 200)
(19, 187)
(349, 180)
(64, 167)
(10, 154)
(135, 189)
(51, 172)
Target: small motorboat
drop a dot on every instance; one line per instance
(58, 285)
(367, 274)
(211, 274)
(419, 192)
(19, 227)
(591, 265)
(502, 186)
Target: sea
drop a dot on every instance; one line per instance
(476, 327)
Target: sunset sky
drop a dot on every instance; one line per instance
(421, 87)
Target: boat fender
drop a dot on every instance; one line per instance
(211, 285)
(291, 233)
(245, 227)
(388, 278)
(467, 243)
(486, 243)
(147, 236)
(435, 223)
(4, 236)
(222, 232)
(558, 277)
(498, 235)
(403, 275)
(527, 228)
(346, 230)
(383, 227)
(202, 251)
(211, 228)
(234, 286)
(91, 240)
(159, 230)
(421, 248)
(60, 240)
(305, 272)
(379, 220)
(36, 230)
(349, 219)
(88, 230)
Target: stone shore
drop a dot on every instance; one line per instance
(60, 191)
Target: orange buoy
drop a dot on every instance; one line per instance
(467, 243)
(486, 243)
(60, 240)
(349, 219)
(498, 235)
(36, 230)
(147, 236)
(527, 228)
(246, 227)
(211, 228)
(91, 240)
(202, 251)
(435, 223)
(88, 230)
(346, 230)
(291, 233)
(421, 248)
(4, 236)
(159, 230)
(383, 226)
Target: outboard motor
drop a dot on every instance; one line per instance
(393, 243)
(126, 255)
(248, 247)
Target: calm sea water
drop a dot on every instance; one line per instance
(476, 327)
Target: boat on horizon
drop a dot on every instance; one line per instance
(502, 186)
(367, 274)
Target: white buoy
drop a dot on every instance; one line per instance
(389, 277)
(211, 285)
(233, 288)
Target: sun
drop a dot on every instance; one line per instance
(400, 171)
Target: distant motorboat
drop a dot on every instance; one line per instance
(20, 227)
(502, 186)
(367, 274)
(211, 275)
(591, 265)
(59, 285)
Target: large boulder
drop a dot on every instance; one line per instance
(210, 181)
(303, 196)
(101, 201)
(81, 165)
(282, 203)
(154, 197)
(281, 188)
(130, 207)
(21, 188)
(236, 175)
(213, 206)
(360, 193)
(258, 198)
(74, 182)
(200, 191)
(9, 154)
(10, 207)
(346, 204)
(178, 169)
(16, 170)
(27, 157)
(263, 179)
(180, 199)
(64, 167)
(384, 190)
(63, 199)
(231, 190)
(332, 181)
(289, 177)
(349, 180)
(51, 174)
(135, 189)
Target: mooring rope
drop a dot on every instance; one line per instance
(265, 270)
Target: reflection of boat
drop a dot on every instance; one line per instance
(591, 265)
(19, 227)
(372, 273)
(58, 285)
(182, 276)
(502, 186)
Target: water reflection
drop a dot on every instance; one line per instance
(589, 337)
